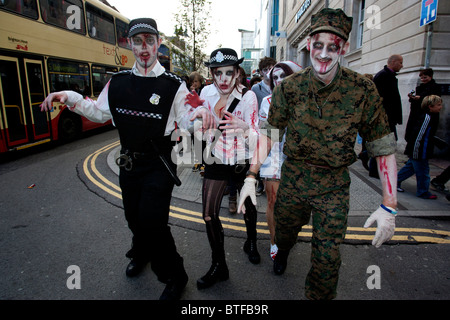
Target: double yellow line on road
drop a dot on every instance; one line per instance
(404, 235)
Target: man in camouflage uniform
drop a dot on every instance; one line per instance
(322, 108)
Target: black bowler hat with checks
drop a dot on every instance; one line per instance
(223, 57)
(142, 25)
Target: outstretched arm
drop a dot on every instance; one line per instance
(94, 110)
(385, 214)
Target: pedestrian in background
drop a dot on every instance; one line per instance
(271, 168)
(420, 145)
(428, 86)
(387, 86)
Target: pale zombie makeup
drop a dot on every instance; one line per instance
(145, 50)
(278, 75)
(325, 49)
(225, 78)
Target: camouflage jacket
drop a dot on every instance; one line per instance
(322, 121)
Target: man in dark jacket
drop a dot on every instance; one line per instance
(387, 85)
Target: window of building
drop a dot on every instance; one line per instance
(55, 12)
(26, 8)
(359, 40)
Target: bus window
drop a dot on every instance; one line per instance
(68, 75)
(100, 77)
(164, 56)
(55, 12)
(11, 98)
(122, 34)
(26, 8)
(100, 24)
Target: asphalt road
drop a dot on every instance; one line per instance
(53, 222)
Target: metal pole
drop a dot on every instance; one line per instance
(428, 49)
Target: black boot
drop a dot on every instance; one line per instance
(280, 262)
(176, 283)
(135, 267)
(174, 288)
(252, 251)
(217, 272)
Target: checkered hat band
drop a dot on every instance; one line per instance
(142, 25)
(226, 57)
(140, 113)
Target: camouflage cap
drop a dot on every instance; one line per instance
(331, 20)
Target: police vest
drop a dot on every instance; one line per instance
(140, 107)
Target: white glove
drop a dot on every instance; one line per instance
(385, 225)
(248, 190)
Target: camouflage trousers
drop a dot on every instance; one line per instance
(322, 193)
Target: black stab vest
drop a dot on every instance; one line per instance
(140, 108)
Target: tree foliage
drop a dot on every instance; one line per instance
(193, 27)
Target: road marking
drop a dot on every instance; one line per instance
(412, 235)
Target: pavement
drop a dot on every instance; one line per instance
(365, 191)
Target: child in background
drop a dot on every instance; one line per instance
(419, 147)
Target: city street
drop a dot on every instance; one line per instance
(60, 211)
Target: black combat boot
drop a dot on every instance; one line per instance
(176, 283)
(217, 272)
(280, 262)
(252, 251)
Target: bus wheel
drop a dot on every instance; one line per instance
(69, 126)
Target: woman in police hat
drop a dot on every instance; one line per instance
(227, 155)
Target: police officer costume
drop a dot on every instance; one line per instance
(140, 107)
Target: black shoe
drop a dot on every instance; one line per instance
(439, 186)
(174, 288)
(280, 262)
(135, 267)
(252, 251)
(217, 272)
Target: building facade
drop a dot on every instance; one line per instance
(380, 28)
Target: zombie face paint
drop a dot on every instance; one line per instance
(278, 75)
(145, 49)
(325, 49)
(225, 78)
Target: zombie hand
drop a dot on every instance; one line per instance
(232, 122)
(248, 190)
(385, 225)
(194, 100)
(47, 104)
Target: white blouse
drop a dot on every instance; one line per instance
(232, 146)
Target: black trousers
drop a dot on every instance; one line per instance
(146, 193)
